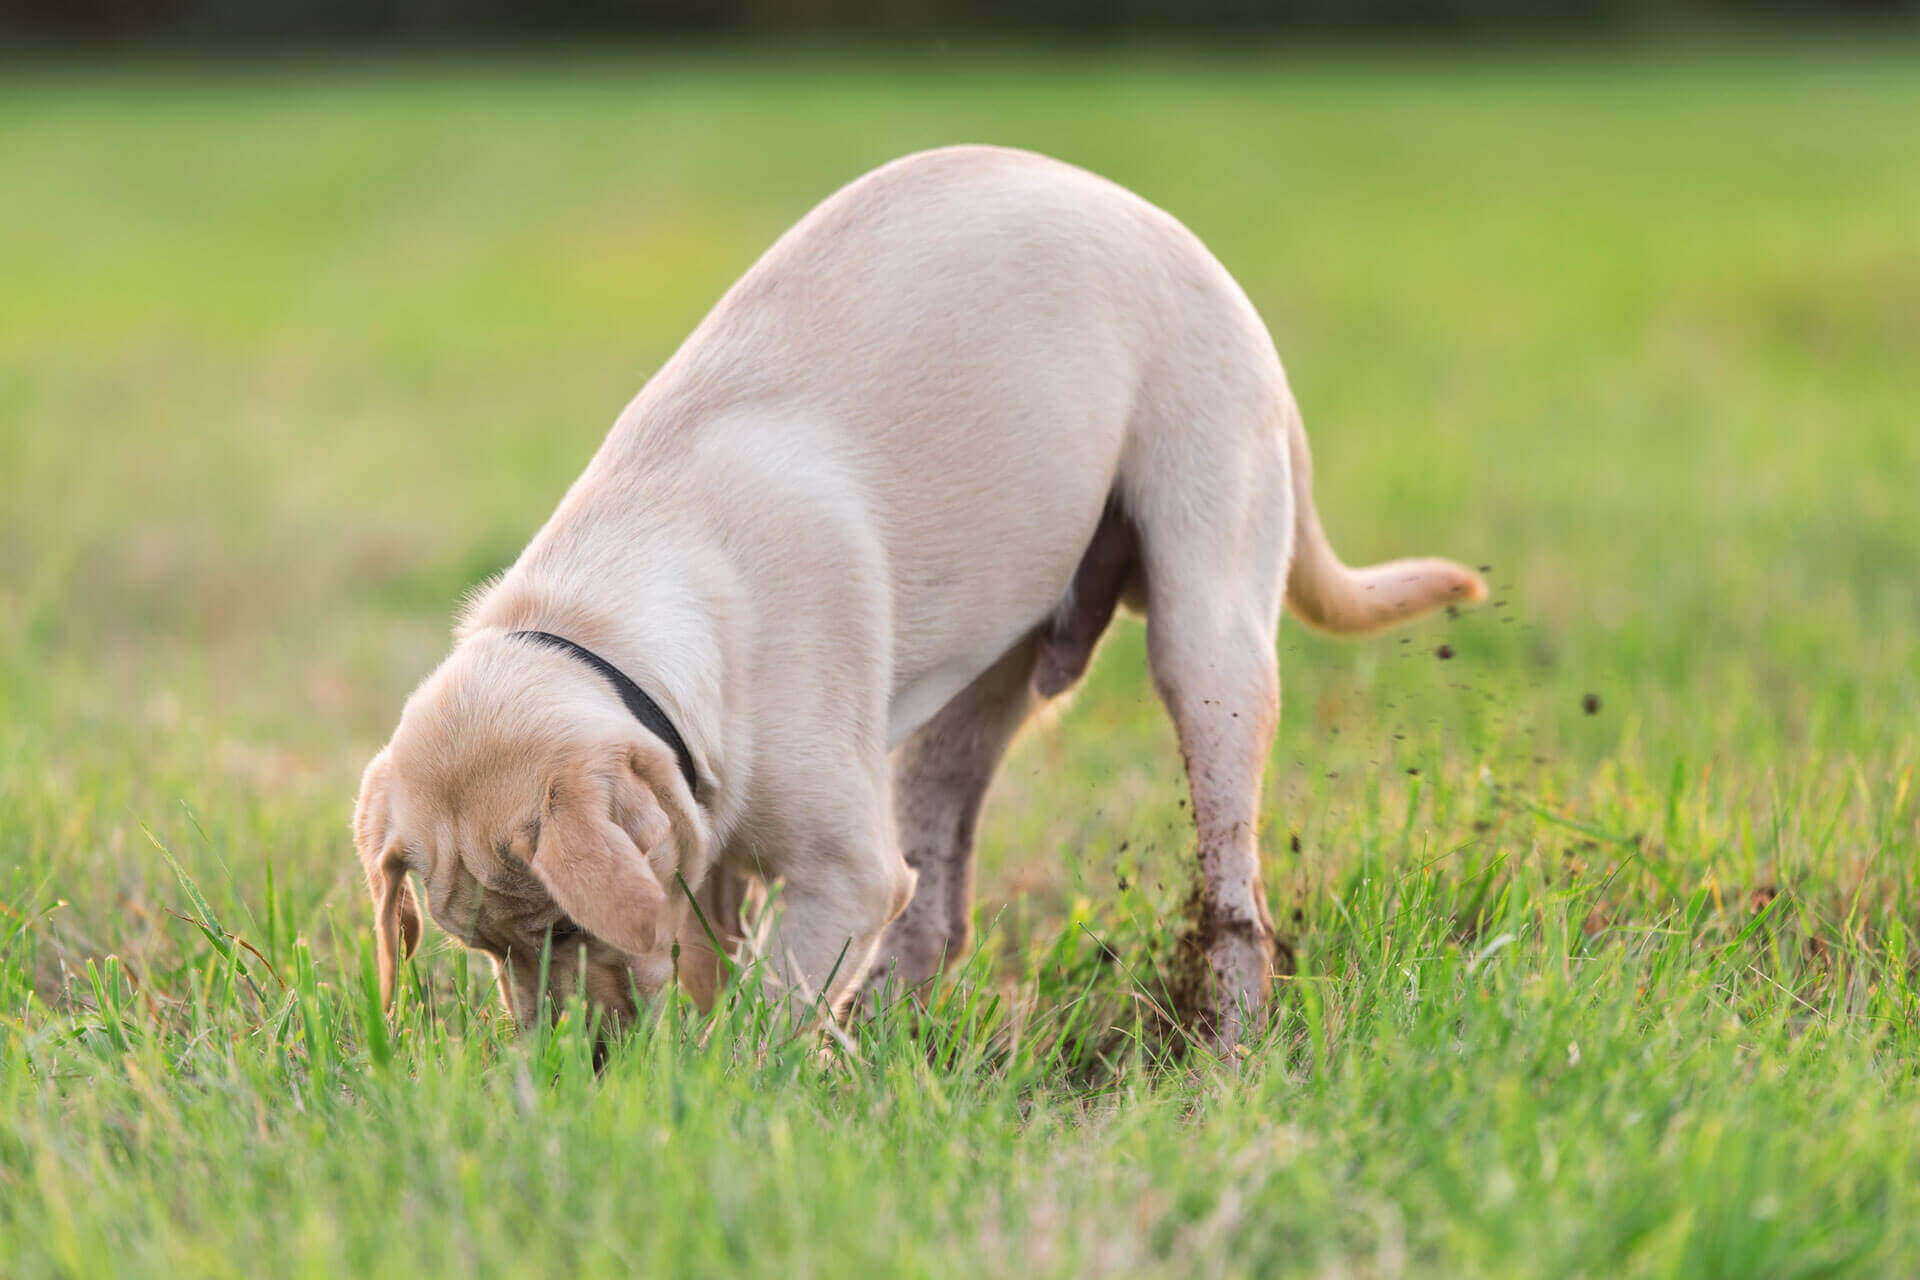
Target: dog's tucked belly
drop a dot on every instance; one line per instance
(984, 528)
(973, 641)
(921, 700)
(1067, 635)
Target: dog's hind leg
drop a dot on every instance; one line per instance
(1214, 538)
(1216, 672)
(940, 779)
(941, 774)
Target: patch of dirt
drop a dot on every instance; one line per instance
(1191, 988)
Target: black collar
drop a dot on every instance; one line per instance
(644, 709)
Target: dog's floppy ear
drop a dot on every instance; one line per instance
(592, 865)
(652, 800)
(396, 914)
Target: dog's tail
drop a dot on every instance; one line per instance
(1327, 595)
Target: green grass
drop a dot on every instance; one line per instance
(289, 358)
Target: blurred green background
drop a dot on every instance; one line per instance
(425, 23)
(295, 350)
(291, 357)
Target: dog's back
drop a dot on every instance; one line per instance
(977, 342)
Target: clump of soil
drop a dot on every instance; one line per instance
(1191, 989)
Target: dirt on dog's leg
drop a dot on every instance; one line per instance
(1221, 684)
(1214, 578)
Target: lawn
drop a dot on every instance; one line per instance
(1605, 927)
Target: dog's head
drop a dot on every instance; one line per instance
(542, 822)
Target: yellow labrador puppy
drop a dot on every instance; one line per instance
(879, 507)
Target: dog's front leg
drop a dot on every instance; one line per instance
(710, 934)
(839, 890)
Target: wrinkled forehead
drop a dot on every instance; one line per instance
(497, 907)
(473, 866)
